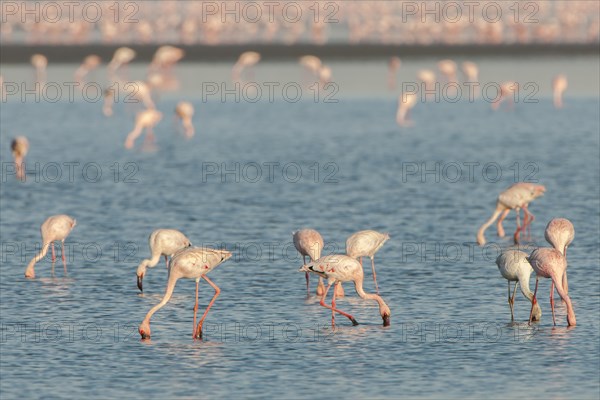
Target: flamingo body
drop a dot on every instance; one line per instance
(56, 227)
(366, 244)
(514, 267)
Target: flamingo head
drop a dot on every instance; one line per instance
(144, 330)
(140, 278)
(537, 312)
(385, 312)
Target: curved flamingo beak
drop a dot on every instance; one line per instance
(139, 283)
(386, 320)
(144, 335)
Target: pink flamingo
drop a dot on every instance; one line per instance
(166, 56)
(508, 91)
(559, 85)
(394, 64)
(366, 244)
(339, 268)
(56, 227)
(145, 119)
(164, 242)
(515, 197)
(310, 243)
(514, 267)
(39, 62)
(406, 102)
(185, 111)
(246, 60)
(122, 56)
(560, 231)
(190, 263)
(109, 98)
(20, 147)
(552, 263)
(448, 69)
(89, 64)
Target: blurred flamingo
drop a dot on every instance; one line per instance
(20, 147)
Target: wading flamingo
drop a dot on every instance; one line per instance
(394, 64)
(89, 64)
(166, 57)
(406, 102)
(514, 267)
(165, 242)
(190, 263)
(39, 62)
(310, 243)
(515, 197)
(122, 56)
(247, 59)
(508, 92)
(366, 244)
(20, 147)
(448, 69)
(339, 268)
(56, 227)
(559, 85)
(552, 263)
(185, 111)
(145, 119)
(560, 232)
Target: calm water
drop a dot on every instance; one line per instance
(451, 335)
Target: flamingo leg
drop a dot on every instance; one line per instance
(339, 290)
(552, 302)
(62, 253)
(53, 254)
(195, 310)
(321, 288)
(350, 317)
(534, 300)
(511, 302)
(499, 226)
(565, 283)
(374, 275)
(217, 292)
(333, 307)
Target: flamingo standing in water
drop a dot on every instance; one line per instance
(190, 263)
(393, 66)
(164, 242)
(122, 56)
(515, 197)
(56, 227)
(339, 268)
(185, 111)
(508, 92)
(559, 85)
(310, 243)
(145, 119)
(246, 60)
(514, 267)
(165, 57)
(366, 244)
(406, 102)
(552, 263)
(39, 62)
(471, 72)
(89, 64)
(19, 147)
(448, 69)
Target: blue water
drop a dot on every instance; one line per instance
(450, 336)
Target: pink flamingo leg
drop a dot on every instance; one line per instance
(350, 317)
(499, 226)
(217, 292)
(533, 300)
(511, 301)
(374, 275)
(53, 254)
(195, 310)
(333, 307)
(64, 260)
(565, 283)
(552, 302)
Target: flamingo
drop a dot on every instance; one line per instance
(406, 102)
(552, 263)
(309, 242)
(366, 244)
(140, 91)
(89, 64)
(514, 267)
(559, 85)
(185, 111)
(166, 56)
(164, 242)
(427, 77)
(560, 231)
(246, 60)
(515, 197)
(39, 62)
(56, 227)
(339, 268)
(448, 69)
(109, 97)
(508, 91)
(20, 147)
(471, 71)
(145, 119)
(190, 263)
(122, 56)
(394, 64)
(324, 74)
(311, 63)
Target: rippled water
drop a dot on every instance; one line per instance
(451, 335)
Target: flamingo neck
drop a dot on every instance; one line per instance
(168, 293)
(383, 307)
(481, 231)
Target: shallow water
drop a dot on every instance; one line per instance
(451, 335)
